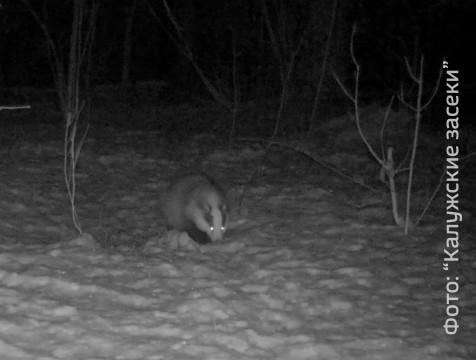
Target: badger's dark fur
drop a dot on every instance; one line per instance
(196, 204)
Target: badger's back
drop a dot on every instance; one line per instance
(197, 205)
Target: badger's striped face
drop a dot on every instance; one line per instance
(216, 217)
(212, 218)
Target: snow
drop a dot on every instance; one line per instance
(299, 276)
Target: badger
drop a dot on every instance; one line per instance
(197, 205)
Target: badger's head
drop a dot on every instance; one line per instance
(210, 215)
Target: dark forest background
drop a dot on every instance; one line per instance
(135, 42)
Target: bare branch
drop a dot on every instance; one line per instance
(384, 124)
(316, 159)
(410, 70)
(18, 107)
(435, 90)
(432, 197)
(323, 68)
(182, 44)
(416, 132)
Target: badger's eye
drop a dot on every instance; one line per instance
(222, 228)
(211, 228)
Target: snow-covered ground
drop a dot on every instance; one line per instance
(301, 274)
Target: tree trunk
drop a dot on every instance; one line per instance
(126, 55)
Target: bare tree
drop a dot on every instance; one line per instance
(313, 115)
(68, 85)
(385, 159)
(127, 48)
(284, 50)
(418, 109)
